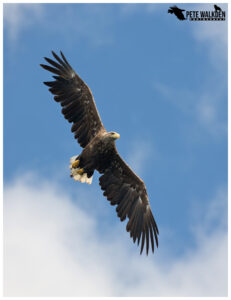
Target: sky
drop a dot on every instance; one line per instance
(162, 84)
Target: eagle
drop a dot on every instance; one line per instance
(121, 186)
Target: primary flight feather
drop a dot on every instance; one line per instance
(120, 184)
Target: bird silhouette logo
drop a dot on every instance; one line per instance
(217, 8)
(177, 12)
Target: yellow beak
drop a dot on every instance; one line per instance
(117, 135)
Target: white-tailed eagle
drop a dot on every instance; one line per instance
(120, 184)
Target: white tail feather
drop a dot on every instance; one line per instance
(77, 177)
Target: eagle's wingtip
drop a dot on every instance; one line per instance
(53, 53)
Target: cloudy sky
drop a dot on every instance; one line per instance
(162, 84)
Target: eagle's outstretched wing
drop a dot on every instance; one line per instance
(124, 188)
(76, 99)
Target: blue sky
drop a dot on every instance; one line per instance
(160, 82)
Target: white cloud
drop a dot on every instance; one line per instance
(140, 152)
(129, 9)
(204, 107)
(206, 218)
(19, 17)
(53, 248)
(89, 22)
(214, 36)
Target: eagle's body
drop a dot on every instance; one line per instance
(120, 184)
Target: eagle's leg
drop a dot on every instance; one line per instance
(80, 171)
(75, 164)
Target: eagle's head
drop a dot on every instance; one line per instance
(111, 136)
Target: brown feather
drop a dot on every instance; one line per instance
(124, 188)
(69, 89)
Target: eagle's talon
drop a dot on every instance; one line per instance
(75, 164)
(80, 171)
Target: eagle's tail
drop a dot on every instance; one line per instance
(77, 174)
